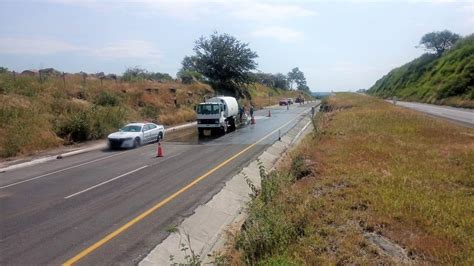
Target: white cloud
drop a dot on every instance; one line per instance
(283, 34)
(37, 46)
(266, 12)
(195, 9)
(127, 49)
(44, 46)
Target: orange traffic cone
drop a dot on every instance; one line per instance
(159, 151)
(252, 121)
(269, 114)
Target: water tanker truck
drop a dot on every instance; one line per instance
(217, 115)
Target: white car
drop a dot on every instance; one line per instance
(136, 134)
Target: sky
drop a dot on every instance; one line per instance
(339, 45)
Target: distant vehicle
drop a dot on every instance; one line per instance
(284, 102)
(290, 100)
(217, 114)
(299, 100)
(136, 134)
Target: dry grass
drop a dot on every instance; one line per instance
(38, 115)
(379, 168)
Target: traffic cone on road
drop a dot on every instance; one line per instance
(159, 151)
(269, 113)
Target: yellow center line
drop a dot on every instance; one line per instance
(140, 217)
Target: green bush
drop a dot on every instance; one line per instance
(150, 112)
(90, 123)
(76, 127)
(25, 86)
(270, 227)
(24, 129)
(106, 98)
(105, 120)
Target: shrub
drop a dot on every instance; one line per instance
(269, 227)
(105, 120)
(106, 98)
(150, 112)
(76, 127)
(24, 129)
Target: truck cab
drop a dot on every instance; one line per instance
(216, 115)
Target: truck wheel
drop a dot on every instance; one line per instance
(231, 125)
(224, 129)
(200, 132)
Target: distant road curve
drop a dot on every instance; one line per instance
(462, 115)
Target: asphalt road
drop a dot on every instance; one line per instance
(51, 212)
(460, 115)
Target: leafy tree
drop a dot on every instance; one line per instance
(225, 62)
(297, 76)
(188, 76)
(189, 63)
(439, 41)
(159, 76)
(3, 70)
(136, 73)
(281, 81)
(263, 78)
(278, 80)
(304, 87)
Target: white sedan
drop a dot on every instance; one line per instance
(136, 134)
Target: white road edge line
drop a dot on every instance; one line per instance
(301, 132)
(61, 170)
(105, 182)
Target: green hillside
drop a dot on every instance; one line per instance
(447, 79)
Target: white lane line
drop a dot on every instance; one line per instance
(59, 171)
(105, 182)
(138, 169)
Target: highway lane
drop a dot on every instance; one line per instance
(462, 115)
(52, 211)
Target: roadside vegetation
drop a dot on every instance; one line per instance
(373, 184)
(60, 110)
(47, 108)
(443, 76)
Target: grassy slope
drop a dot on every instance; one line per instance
(368, 167)
(448, 79)
(37, 116)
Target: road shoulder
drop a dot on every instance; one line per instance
(205, 236)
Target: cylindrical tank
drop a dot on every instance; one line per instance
(230, 103)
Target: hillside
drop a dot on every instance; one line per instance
(447, 80)
(41, 113)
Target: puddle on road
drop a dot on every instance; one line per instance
(185, 136)
(190, 136)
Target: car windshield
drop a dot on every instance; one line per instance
(207, 109)
(131, 129)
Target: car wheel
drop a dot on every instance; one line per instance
(160, 136)
(136, 143)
